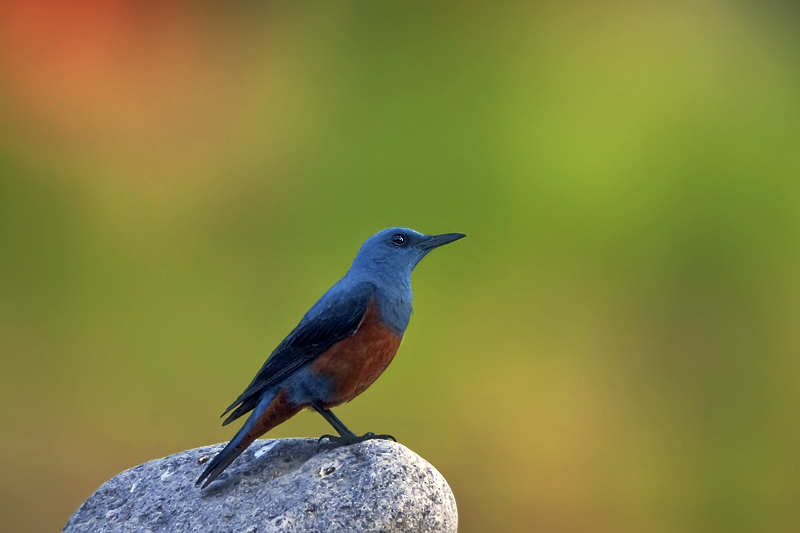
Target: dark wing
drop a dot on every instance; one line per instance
(338, 318)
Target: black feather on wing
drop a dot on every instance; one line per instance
(308, 340)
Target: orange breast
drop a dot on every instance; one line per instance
(354, 363)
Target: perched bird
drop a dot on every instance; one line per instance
(339, 348)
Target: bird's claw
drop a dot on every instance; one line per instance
(335, 441)
(326, 436)
(382, 436)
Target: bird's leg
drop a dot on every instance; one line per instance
(346, 436)
(334, 421)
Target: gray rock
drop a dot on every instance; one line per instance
(277, 485)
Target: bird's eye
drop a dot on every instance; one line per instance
(398, 239)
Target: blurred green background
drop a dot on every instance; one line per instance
(615, 345)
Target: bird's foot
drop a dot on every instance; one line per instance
(334, 441)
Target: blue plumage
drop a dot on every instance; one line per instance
(334, 334)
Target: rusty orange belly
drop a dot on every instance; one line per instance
(354, 363)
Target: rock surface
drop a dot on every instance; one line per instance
(277, 485)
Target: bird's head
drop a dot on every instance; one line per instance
(396, 251)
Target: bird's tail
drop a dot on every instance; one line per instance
(243, 438)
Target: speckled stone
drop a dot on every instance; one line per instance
(277, 485)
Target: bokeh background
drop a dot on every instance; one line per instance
(615, 345)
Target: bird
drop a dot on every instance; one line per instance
(339, 348)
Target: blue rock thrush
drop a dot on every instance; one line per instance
(339, 348)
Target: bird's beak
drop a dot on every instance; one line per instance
(434, 241)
